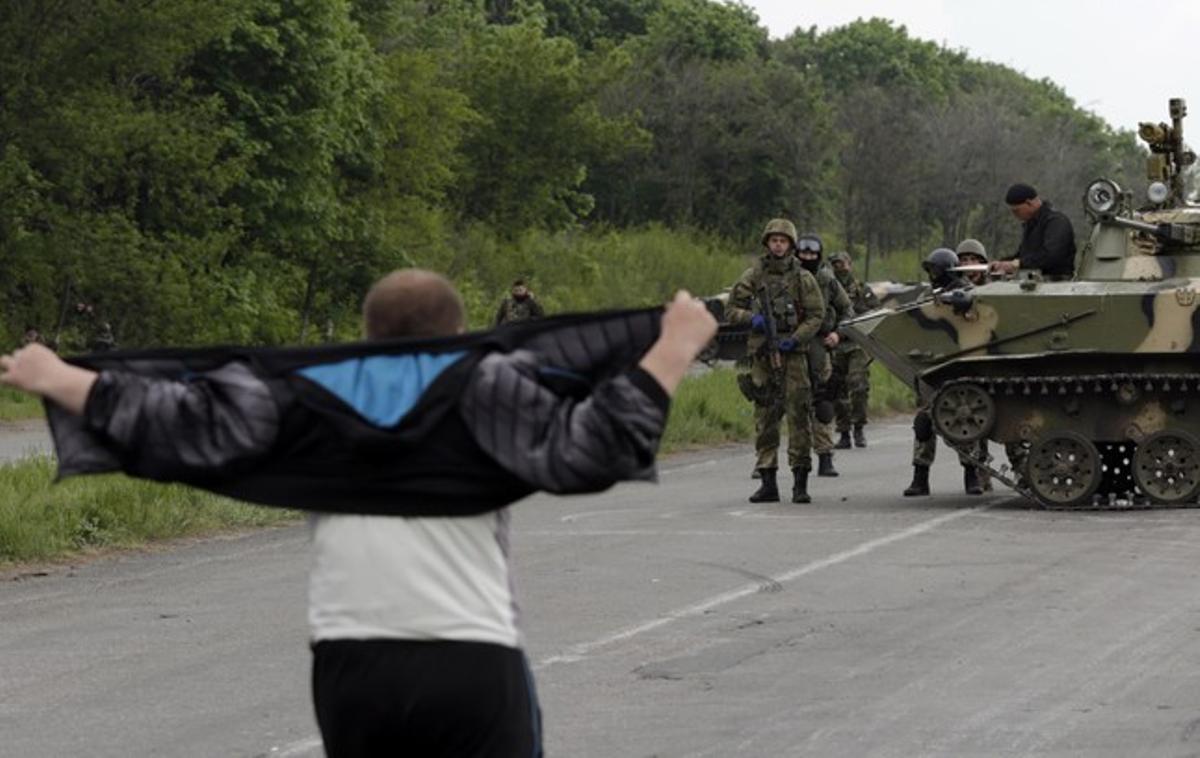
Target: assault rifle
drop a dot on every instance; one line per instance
(958, 297)
(768, 313)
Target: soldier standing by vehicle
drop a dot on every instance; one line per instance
(1047, 237)
(782, 304)
(850, 361)
(837, 308)
(972, 252)
(520, 305)
(939, 266)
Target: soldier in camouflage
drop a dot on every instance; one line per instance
(938, 265)
(851, 363)
(837, 307)
(520, 305)
(778, 382)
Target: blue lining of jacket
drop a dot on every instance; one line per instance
(382, 388)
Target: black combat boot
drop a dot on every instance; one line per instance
(843, 442)
(768, 491)
(800, 486)
(971, 484)
(920, 482)
(825, 465)
(860, 439)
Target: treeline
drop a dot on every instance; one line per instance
(240, 170)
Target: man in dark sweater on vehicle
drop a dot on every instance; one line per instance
(1047, 237)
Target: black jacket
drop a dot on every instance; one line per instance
(1048, 244)
(427, 427)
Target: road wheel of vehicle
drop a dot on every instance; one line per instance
(963, 413)
(1064, 470)
(1166, 467)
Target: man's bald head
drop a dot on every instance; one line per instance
(413, 303)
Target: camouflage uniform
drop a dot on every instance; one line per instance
(925, 451)
(851, 363)
(513, 310)
(924, 438)
(798, 308)
(837, 308)
(88, 332)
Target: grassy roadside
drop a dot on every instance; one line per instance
(888, 394)
(18, 406)
(40, 521)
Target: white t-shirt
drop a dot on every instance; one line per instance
(390, 577)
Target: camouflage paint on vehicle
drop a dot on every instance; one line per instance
(1098, 377)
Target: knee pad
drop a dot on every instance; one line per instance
(923, 426)
(823, 410)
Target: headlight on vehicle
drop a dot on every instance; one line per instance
(1103, 197)
(1157, 193)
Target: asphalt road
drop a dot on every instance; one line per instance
(678, 620)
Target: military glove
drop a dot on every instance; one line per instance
(788, 345)
(758, 323)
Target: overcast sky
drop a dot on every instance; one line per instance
(1122, 60)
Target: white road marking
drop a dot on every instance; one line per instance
(589, 514)
(581, 651)
(312, 745)
(303, 747)
(688, 467)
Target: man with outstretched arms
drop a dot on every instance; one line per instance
(782, 303)
(407, 457)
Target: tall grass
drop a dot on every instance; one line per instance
(888, 394)
(708, 409)
(593, 270)
(39, 520)
(15, 406)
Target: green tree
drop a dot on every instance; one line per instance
(539, 128)
(298, 79)
(115, 164)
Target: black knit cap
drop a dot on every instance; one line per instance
(1019, 193)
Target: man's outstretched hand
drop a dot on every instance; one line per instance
(687, 326)
(37, 370)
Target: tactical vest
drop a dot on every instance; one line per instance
(783, 294)
(518, 310)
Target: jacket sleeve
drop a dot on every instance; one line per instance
(740, 308)
(557, 442)
(214, 423)
(837, 308)
(813, 304)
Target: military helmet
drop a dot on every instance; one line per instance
(938, 263)
(841, 255)
(779, 226)
(974, 247)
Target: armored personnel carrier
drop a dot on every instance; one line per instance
(1092, 386)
